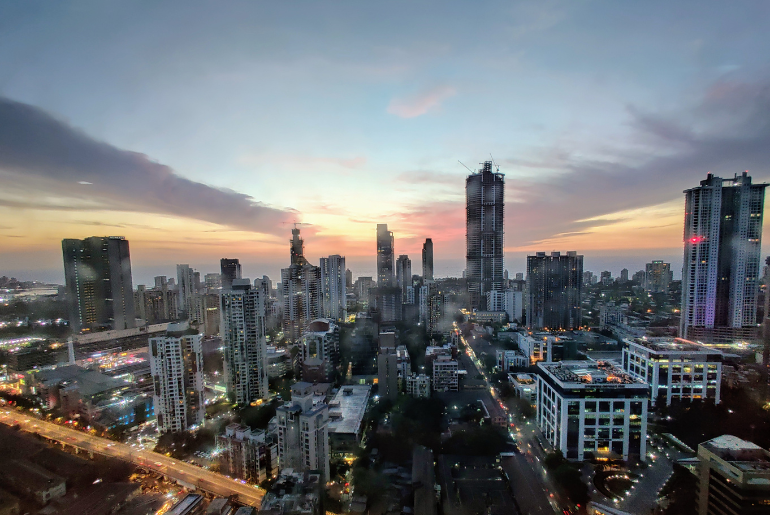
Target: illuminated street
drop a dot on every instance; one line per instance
(188, 475)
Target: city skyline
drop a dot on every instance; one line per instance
(598, 167)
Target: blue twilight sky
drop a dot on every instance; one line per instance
(201, 130)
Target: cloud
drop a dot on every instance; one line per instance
(726, 131)
(428, 177)
(43, 155)
(420, 103)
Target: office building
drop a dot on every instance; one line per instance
(303, 432)
(508, 360)
(349, 278)
(592, 407)
(657, 277)
(301, 291)
(176, 364)
(99, 290)
(485, 199)
(427, 260)
(333, 290)
(245, 453)
(536, 347)
(510, 301)
(385, 261)
(525, 387)
(418, 385)
(230, 270)
(675, 368)
(720, 276)
(319, 351)
(733, 477)
(243, 309)
(554, 283)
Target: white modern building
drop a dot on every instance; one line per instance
(346, 415)
(592, 407)
(537, 348)
(418, 385)
(176, 365)
(243, 335)
(507, 360)
(525, 386)
(303, 432)
(720, 275)
(675, 368)
(445, 374)
(333, 289)
(510, 301)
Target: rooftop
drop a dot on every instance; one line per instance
(574, 373)
(347, 408)
(89, 382)
(674, 346)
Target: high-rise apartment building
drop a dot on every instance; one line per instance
(720, 275)
(303, 432)
(333, 289)
(97, 274)
(427, 260)
(176, 364)
(319, 351)
(657, 277)
(230, 270)
(301, 291)
(189, 301)
(245, 453)
(485, 199)
(385, 261)
(243, 309)
(403, 274)
(733, 477)
(554, 283)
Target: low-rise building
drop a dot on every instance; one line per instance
(675, 368)
(592, 407)
(249, 454)
(294, 493)
(418, 385)
(346, 415)
(507, 360)
(490, 317)
(525, 386)
(32, 481)
(192, 504)
(733, 477)
(537, 347)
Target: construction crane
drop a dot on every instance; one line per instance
(465, 166)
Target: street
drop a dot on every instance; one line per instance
(190, 475)
(531, 486)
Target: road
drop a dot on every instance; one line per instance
(531, 487)
(169, 467)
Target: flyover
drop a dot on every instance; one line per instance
(185, 473)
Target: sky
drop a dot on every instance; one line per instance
(202, 130)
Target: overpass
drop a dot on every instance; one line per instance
(185, 473)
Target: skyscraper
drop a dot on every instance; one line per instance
(403, 274)
(554, 284)
(176, 364)
(333, 288)
(720, 274)
(230, 270)
(385, 276)
(97, 274)
(485, 198)
(427, 260)
(243, 309)
(189, 300)
(301, 291)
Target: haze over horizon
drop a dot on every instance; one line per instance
(206, 132)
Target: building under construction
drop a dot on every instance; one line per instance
(485, 200)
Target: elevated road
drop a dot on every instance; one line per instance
(186, 473)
